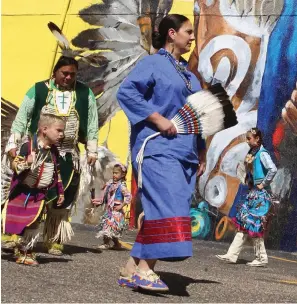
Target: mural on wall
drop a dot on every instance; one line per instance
(248, 45)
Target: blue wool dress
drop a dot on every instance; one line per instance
(170, 163)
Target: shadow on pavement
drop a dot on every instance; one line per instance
(69, 249)
(72, 249)
(177, 284)
(40, 259)
(242, 261)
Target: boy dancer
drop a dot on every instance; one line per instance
(36, 170)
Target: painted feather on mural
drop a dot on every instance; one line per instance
(123, 37)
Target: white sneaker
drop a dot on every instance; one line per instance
(225, 257)
(257, 263)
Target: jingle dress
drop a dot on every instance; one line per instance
(159, 84)
(113, 222)
(252, 214)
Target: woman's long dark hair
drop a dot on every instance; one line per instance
(174, 21)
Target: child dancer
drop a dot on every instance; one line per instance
(115, 196)
(252, 214)
(36, 170)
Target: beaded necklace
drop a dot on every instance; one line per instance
(52, 89)
(180, 67)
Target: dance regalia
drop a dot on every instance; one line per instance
(159, 84)
(252, 214)
(78, 106)
(113, 222)
(29, 188)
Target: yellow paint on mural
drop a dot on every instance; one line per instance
(28, 51)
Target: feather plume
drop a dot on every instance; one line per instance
(95, 180)
(62, 40)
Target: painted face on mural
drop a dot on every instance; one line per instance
(183, 38)
(231, 47)
(65, 76)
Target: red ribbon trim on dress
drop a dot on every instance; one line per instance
(169, 230)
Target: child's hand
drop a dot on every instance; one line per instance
(118, 207)
(30, 159)
(60, 200)
(97, 201)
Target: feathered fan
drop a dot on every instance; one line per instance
(206, 112)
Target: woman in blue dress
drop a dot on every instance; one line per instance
(150, 96)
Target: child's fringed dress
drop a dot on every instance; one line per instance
(112, 223)
(252, 214)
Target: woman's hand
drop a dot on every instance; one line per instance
(202, 162)
(201, 168)
(164, 125)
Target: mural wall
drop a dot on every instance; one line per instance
(248, 45)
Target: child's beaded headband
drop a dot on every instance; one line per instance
(123, 167)
(253, 131)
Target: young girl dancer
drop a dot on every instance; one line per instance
(252, 214)
(115, 196)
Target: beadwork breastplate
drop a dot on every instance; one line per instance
(46, 177)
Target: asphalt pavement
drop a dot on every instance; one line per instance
(86, 275)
